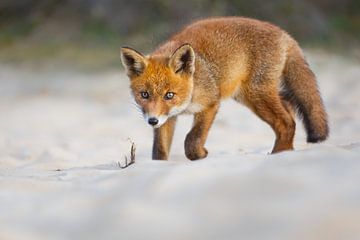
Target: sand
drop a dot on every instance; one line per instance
(63, 134)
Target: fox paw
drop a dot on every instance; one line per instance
(196, 153)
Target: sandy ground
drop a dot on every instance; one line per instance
(63, 133)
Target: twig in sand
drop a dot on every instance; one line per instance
(132, 157)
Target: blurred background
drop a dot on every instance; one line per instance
(89, 32)
(67, 114)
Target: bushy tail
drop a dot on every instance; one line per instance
(301, 90)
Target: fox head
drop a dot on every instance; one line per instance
(161, 85)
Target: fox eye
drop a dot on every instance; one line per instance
(169, 95)
(144, 95)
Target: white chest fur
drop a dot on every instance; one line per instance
(194, 108)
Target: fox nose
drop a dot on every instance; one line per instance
(153, 121)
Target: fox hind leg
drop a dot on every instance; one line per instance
(288, 106)
(268, 105)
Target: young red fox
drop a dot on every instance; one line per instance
(253, 62)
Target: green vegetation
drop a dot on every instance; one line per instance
(89, 33)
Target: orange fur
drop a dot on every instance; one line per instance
(254, 62)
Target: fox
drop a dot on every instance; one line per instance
(253, 62)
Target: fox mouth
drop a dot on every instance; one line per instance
(155, 121)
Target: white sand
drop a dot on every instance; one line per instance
(78, 123)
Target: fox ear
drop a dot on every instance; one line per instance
(133, 61)
(183, 60)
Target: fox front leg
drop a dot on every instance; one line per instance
(196, 138)
(162, 139)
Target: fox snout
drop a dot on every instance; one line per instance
(155, 121)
